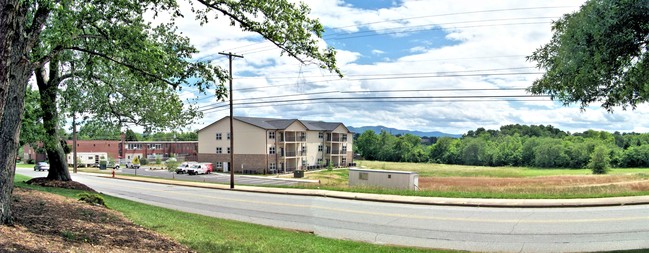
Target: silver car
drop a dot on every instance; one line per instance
(41, 166)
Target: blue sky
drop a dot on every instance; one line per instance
(440, 58)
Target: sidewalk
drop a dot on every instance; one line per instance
(474, 202)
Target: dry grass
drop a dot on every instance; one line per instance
(502, 182)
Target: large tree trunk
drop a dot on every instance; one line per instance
(15, 71)
(48, 90)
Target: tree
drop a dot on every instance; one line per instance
(31, 129)
(105, 47)
(97, 130)
(368, 145)
(130, 135)
(600, 160)
(597, 54)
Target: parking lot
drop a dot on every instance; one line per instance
(216, 177)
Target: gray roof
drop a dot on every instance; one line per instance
(278, 124)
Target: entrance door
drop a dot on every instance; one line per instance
(226, 166)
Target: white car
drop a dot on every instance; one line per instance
(182, 168)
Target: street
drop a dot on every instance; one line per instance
(462, 228)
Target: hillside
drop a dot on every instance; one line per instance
(395, 131)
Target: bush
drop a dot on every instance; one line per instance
(144, 162)
(92, 198)
(599, 160)
(171, 164)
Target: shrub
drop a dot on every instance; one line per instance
(599, 160)
(144, 162)
(171, 164)
(92, 198)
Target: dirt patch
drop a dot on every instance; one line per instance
(46, 222)
(550, 183)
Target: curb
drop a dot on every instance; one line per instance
(437, 201)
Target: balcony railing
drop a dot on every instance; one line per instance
(293, 139)
(337, 139)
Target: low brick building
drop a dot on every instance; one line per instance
(185, 150)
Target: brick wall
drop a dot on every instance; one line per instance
(250, 162)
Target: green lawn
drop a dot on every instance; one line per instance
(207, 234)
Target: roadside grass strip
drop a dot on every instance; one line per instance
(208, 234)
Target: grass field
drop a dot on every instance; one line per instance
(207, 234)
(457, 181)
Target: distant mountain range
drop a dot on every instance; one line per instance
(394, 131)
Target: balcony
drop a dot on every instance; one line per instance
(337, 139)
(293, 139)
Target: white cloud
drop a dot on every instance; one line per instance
(490, 36)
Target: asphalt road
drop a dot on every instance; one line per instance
(463, 228)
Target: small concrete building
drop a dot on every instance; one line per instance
(384, 178)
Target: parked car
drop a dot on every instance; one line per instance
(113, 165)
(200, 168)
(131, 165)
(41, 166)
(182, 168)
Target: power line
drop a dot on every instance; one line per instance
(435, 28)
(397, 77)
(419, 17)
(395, 74)
(391, 101)
(382, 98)
(374, 91)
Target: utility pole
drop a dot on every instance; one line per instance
(74, 142)
(231, 167)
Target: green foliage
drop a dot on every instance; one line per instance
(600, 160)
(98, 130)
(130, 135)
(31, 129)
(92, 198)
(598, 53)
(171, 164)
(513, 145)
(144, 161)
(158, 159)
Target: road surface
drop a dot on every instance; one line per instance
(463, 228)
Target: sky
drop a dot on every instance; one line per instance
(449, 66)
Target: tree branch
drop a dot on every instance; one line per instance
(226, 13)
(130, 66)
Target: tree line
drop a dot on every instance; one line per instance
(512, 145)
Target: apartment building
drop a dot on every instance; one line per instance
(267, 145)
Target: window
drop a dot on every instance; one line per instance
(303, 162)
(271, 135)
(219, 165)
(219, 150)
(362, 176)
(272, 166)
(389, 176)
(319, 161)
(320, 135)
(228, 136)
(90, 158)
(344, 138)
(271, 150)
(228, 150)
(218, 136)
(344, 149)
(344, 161)
(319, 147)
